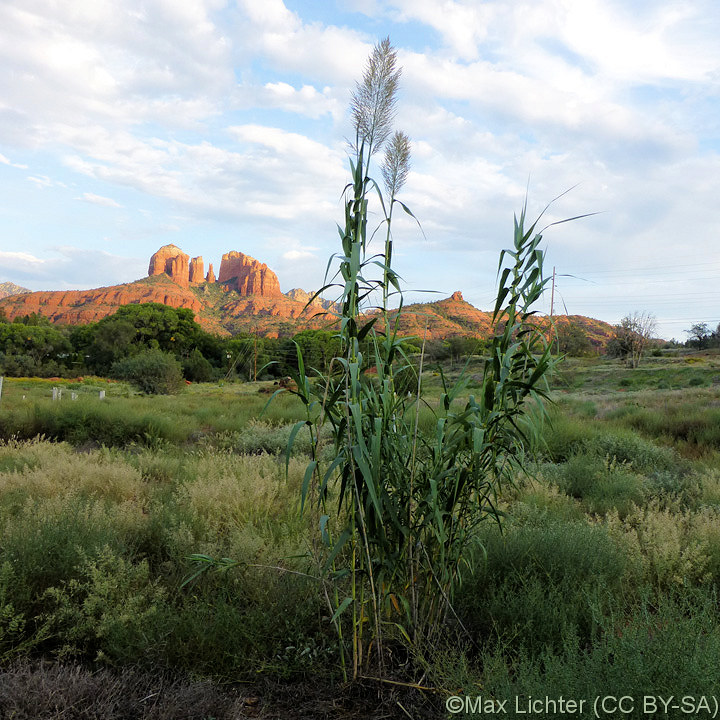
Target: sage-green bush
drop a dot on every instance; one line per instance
(155, 372)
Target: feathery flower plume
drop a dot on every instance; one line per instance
(396, 166)
(373, 102)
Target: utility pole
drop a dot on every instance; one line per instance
(255, 350)
(552, 294)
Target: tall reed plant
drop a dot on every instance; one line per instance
(397, 509)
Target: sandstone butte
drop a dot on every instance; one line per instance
(246, 297)
(247, 276)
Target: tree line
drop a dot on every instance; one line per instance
(31, 346)
(158, 335)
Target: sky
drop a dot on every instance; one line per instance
(221, 125)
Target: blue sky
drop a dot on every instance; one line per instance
(221, 125)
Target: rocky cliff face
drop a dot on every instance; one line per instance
(8, 288)
(76, 307)
(300, 295)
(172, 261)
(238, 272)
(247, 276)
(197, 270)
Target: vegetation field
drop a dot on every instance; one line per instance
(602, 578)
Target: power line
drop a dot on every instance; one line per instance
(670, 268)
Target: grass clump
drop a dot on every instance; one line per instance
(409, 505)
(535, 583)
(110, 422)
(601, 484)
(664, 647)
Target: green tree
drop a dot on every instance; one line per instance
(318, 348)
(573, 340)
(143, 326)
(39, 342)
(32, 319)
(700, 336)
(170, 329)
(111, 341)
(197, 368)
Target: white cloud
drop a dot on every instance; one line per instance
(332, 54)
(41, 181)
(293, 255)
(20, 257)
(5, 161)
(98, 200)
(68, 267)
(306, 101)
(232, 115)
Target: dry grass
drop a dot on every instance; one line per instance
(47, 691)
(44, 470)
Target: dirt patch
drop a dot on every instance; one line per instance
(49, 691)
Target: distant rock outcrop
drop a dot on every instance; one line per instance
(8, 288)
(172, 261)
(300, 295)
(197, 270)
(246, 298)
(76, 307)
(247, 276)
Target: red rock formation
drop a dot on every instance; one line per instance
(248, 276)
(262, 307)
(75, 307)
(170, 259)
(197, 269)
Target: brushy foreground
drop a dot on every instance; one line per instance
(604, 579)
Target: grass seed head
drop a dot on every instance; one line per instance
(373, 102)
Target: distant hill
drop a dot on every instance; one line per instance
(8, 288)
(246, 297)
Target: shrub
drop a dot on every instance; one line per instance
(664, 645)
(535, 585)
(628, 447)
(197, 368)
(108, 611)
(563, 435)
(153, 371)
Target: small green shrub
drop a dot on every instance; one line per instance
(153, 371)
(197, 368)
(602, 484)
(108, 612)
(625, 446)
(670, 551)
(536, 584)
(564, 436)
(666, 646)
